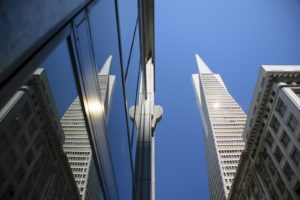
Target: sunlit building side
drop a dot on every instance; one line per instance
(270, 164)
(77, 143)
(223, 121)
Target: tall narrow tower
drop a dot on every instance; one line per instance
(223, 122)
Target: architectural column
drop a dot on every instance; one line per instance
(146, 116)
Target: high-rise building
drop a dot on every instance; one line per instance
(223, 122)
(78, 150)
(33, 164)
(77, 143)
(270, 164)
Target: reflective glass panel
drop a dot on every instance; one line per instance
(132, 79)
(128, 12)
(105, 39)
(48, 145)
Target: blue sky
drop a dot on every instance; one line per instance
(234, 38)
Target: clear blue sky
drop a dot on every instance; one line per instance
(234, 38)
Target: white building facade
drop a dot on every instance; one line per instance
(270, 165)
(223, 122)
(78, 150)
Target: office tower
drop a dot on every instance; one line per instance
(77, 144)
(106, 84)
(270, 164)
(78, 150)
(223, 122)
(71, 40)
(33, 164)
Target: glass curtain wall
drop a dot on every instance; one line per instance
(116, 22)
(49, 129)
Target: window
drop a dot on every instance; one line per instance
(297, 188)
(288, 171)
(32, 127)
(29, 157)
(280, 185)
(272, 168)
(278, 154)
(22, 143)
(273, 93)
(281, 107)
(285, 139)
(20, 174)
(292, 123)
(296, 156)
(269, 139)
(2, 177)
(14, 126)
(11, 159)
(9, 193)
(3, 141)
(25, 111)
(297, 92)
(275, 124)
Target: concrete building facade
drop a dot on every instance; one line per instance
(270, 164)
(33, 164)
(223, 121)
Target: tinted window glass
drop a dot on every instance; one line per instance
(105, 38)
(128, 17)
(51, 124)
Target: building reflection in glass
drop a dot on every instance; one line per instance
(33, 164)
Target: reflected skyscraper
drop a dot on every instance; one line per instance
(33, 164)
(78, 150)
(223, 121)
(77, 144)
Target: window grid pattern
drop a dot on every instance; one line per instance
(225, 144)
(77, 146)
(277, 164)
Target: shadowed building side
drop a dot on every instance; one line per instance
(33, 164)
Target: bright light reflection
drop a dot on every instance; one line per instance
(95, 106)
(216, 105)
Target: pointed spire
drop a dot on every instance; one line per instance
(202, 67)
(106, 67)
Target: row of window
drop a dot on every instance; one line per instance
(79, 153)
(230, 167)
(292, 121)
(230, 151)
(238, 147)
(229, 173)
(229, 161)
(231, 156)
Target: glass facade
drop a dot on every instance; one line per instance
(68, 107)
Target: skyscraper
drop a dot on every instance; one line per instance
(77, 144)
(269, 166)
(78, 150)
(223, 122)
